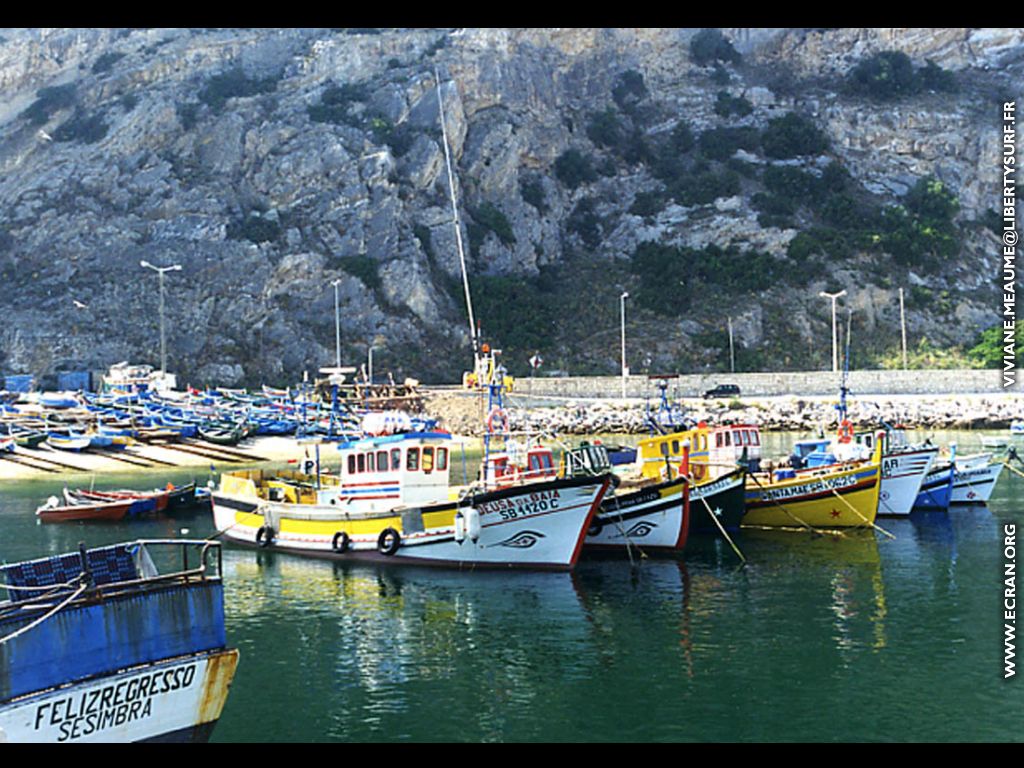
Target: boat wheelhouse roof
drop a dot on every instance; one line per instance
(370, 442)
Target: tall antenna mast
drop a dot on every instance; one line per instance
(455, 215)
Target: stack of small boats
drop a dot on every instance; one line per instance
(113, 506)
(114, 420)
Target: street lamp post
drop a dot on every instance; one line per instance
(625, 370)
(835, 340)
(369, 364)
(337, 326)
(163, 342)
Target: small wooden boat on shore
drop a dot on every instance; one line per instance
(75, 443)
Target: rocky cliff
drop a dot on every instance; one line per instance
(270, 164)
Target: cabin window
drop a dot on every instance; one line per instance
(664, 449)
(718, 440)
(547, 461)
(382, 461)
(702, 441)
(728, 439)
(412, 459)
(745, 437)
(361, 462)
(428, 459)
(371, 463)
(755, 438)
(675, 447)
(442, 459)
(351, 464)
(396, 459)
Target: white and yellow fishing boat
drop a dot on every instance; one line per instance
(839, 496)
(391, 501)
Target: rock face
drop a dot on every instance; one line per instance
(271, 163)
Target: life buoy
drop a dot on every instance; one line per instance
(389, 541)
(264, 536)
(340, 542)
(845, 431)
(497, 416)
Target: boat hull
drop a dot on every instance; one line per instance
(902, 477)
(170, 700)
(974, 485)
(653, 517)
(537, 525)
(837, 499)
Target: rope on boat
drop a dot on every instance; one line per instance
(1012, 469)
(721, 529)
(806, 525)
(46, 615)
(858, 514)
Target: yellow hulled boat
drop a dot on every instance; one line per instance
(839, 496)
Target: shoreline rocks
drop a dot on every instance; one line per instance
(463, 413)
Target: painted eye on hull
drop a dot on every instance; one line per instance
(641, 529)
(522, 540)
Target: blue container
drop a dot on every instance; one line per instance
(75, 381)
(19, 383)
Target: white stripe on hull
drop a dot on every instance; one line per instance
(143, 703)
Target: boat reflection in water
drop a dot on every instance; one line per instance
(849, 567)
(376, 639)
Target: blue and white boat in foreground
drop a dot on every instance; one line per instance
(99, 646)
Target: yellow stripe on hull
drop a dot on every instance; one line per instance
(444, 518)
(855, 506)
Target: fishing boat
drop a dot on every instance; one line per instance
(100, 646)
(974, 478)
(74, 443)
(662, 515)
(904, 466)
(391, 501)
(172, 500)
(76, 512)
(837, 496)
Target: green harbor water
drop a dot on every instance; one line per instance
(817, 638)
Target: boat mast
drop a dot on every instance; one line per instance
(455, 220)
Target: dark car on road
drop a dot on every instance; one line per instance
(723, 390)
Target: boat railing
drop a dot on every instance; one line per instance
(201, 561)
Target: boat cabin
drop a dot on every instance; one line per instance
(654, 453)
(378, 474)
(729, 444)
(513, 466)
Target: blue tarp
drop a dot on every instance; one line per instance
(19, 383)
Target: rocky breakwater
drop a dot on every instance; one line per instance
(784, 413)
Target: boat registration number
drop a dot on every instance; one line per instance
(523, 506)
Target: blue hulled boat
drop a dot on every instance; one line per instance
(98, 645)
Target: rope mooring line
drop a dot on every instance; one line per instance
(858, 514)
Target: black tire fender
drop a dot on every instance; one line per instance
(389, 541)
(264, 536)
(340, 542)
